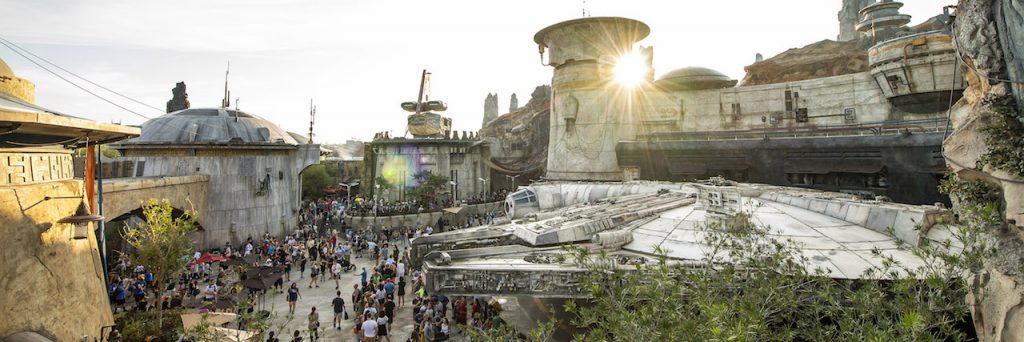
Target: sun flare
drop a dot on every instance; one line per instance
(630, 69)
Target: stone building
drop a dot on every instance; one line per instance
(463, 159)
(253, 167)
(431, 147)
(52, 271)
(872, 132)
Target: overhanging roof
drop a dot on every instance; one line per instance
(26, 125)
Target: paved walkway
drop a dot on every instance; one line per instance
(320, 297)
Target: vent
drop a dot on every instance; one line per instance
(199, 112)
(264, 133)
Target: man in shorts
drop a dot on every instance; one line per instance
(339, 310)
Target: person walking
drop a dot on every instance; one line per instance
(314, 325)
(313, 272)
(401, 291)
(382, 329)
(340, 312)
(369, 328)
(293, 296)
(336, 273)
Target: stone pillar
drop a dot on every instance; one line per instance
(849, 15)
(589, 112)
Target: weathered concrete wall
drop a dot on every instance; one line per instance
(250, 191)
(589, 113)
(123, 195)
(50, 283)
(425, 219)
(989, 36)
(826, 100)
(398, 161)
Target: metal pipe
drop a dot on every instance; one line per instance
(103, 223)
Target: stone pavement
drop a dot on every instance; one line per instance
(320, 297)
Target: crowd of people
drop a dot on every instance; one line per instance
(369, 207)
(311, 257)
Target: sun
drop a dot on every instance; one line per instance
(630, 69)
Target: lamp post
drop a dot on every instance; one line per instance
(348, 192)
(455, 192)
(377, 186)
(486, 189)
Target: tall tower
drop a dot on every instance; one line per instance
(882, 21)
(589, 112)
(849, 16)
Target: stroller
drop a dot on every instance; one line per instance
(346, 265)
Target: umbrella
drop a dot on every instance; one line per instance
(263, 271)
(208, 258)
(251, 259)
(453, 210)
(257, 284)
(235, 262)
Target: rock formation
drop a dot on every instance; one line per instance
(513, 103)
(490, 108)
(519, 139)
(540, 97)
(821, 59)
(986, 145)
(179, 101)
(849, 15)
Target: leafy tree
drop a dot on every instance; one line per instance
(201, 332)
(541, 332)
(381, 184)
(428, 183)
(140, 325)
(163, 243)
(314, 180)
(754, 287)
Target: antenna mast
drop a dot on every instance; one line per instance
(419, 99)
(312, 115)
(227, 94)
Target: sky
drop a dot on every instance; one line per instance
(358, 60)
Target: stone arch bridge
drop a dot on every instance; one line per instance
(125, 196)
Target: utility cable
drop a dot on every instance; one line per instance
(80, 77)
(72, 83)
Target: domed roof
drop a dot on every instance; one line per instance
(695, 78)
(210, 126)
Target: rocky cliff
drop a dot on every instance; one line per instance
(519, 139)
(821, 59)
(986, 145)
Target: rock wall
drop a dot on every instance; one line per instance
(821, 59)
(990, 40)
(519, 140)
(490, 108)
(50, 283)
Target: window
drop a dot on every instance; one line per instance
(523, 196)
(801, 115)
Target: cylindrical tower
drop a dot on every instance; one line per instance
(882, 20)
(589, 112)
